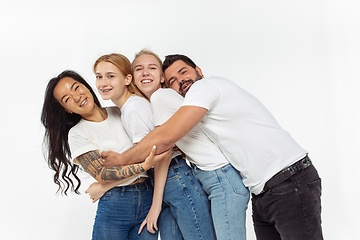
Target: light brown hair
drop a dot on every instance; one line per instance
(124, 65)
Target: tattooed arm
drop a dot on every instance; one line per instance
(97, 190)
(93, 164)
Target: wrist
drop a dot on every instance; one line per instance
(146, 165)
(123, 160)
(156, 207)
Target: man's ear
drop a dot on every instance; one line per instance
(162, 78)
(128, 79)
(199, 71)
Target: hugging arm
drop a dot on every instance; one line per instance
(93, 164)
(164, 136)
(96, 190)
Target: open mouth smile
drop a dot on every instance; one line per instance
(105, 90)
(83, 102)
(184, 86)
(145, 81)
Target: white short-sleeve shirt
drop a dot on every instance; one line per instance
(198, 148)
(108, 135)
(246, 132)
(137, 118)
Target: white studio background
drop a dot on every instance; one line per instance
(300, 58)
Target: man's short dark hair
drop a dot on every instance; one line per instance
(170, 59)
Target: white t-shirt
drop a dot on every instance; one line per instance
(138, 120)
(198, 148)
(108, 135)
(246, 132)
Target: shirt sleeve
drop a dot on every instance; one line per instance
(203, 93)
(164, 103)
(79, 144)
(140, 123)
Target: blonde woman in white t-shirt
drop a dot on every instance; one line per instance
(184, 207)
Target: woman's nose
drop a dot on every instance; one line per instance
(103, 82)
(145, 72)
(76, 97)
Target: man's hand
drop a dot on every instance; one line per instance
(112, 159)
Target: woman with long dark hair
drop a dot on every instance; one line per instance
(77, 130)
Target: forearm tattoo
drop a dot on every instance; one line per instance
(93, 164)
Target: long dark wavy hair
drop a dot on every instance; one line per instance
(57, 123)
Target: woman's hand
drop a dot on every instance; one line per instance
(96, 191)
(152, 159)
(151, 220)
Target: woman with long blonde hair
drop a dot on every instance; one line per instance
(185, 212)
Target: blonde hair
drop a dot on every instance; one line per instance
(146, 51)
(124, 65)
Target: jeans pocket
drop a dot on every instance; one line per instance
(315, 188)
(171, 175)
(235, 180)
(195, 182)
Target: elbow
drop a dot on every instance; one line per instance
(101, 180)
(167, 142)
(162, 137)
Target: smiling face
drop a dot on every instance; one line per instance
(112, 83)
(180, 76)
(74, 97)
(148, 75)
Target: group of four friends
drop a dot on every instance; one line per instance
(180, 154)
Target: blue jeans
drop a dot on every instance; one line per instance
(121, 210)
(186, 208)
(291, 209)
(229, 199)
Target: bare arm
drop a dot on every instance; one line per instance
(93, 164)
(97, 190)
(164, 136)
(160, 172)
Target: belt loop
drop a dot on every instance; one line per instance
(176, 159)
(123, 188)
(147, 185)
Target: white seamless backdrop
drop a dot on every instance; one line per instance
(300, 58)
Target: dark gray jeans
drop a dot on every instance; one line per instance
(291, 210)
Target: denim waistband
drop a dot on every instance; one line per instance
(287, 172)
(135, 187)
(176, 160)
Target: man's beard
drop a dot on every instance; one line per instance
(190, 81)
(183, 92)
